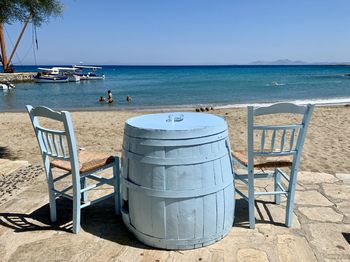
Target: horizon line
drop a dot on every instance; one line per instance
(184, 65)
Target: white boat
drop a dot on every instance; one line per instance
(48, 78)
(73, 78)
(69, 72)
(79, 70)
(7, 86)
(57, 75)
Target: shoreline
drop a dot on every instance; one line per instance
(317, 102)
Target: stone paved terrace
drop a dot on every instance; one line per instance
(320, 232)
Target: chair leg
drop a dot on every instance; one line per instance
(277, 177)
(52, 197)
(251, 198)
(76, 209)
(83, 185)
(290, 198)
(116, 174)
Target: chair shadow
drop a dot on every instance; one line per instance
(242, 214)
(99, 220)
(6, 153)
(347, 237)
(38, 220)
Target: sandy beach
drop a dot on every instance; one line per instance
(327, 146)
(321, 215)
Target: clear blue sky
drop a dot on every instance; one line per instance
(191, 32)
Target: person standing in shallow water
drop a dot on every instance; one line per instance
(110, 96)
(128, 99)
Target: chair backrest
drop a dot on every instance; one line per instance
(55, 143)
(277, 140)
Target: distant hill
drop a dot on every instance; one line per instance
(280, 62)
(295, 62)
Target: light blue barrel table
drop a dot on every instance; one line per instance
(177, 180)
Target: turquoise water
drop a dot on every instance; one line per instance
(161, 86)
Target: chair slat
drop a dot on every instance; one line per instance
(291, 142)
(49, 143)
(270, 193)
(296, 126)
(282, 140)
(273, 140)
(284, 153)
(44, 141)
(262, 144)
(54, 145)
(58, 132)
(62, 146)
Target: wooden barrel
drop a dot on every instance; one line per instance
(177, 182)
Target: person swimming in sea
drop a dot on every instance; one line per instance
(110, 97)
(102, 99)
(128, 99)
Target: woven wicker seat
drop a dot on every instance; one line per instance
(264, 162)
(88, 161)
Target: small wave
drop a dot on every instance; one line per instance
(316, 101)
(274, 83)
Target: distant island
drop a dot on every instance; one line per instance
(296, 62)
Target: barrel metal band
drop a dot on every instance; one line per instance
(176, 194)
(176, 142)
(173, 161)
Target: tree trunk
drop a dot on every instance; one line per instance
(3, 48)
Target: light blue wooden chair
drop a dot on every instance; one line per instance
(58, 149)
(273, 147)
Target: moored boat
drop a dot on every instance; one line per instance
(57, 75)
(79, 70)
(67, 74)
(48, 78)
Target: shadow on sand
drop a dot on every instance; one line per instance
(347, 237)
(242, 214)
(6, 153)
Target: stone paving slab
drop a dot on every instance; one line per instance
(319, 232)
(294, 248)
(328, 239)
(311, 197)
(305, 177)
(344, 177)
(337, 192)
(325, 214)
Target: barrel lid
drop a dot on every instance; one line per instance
(174, 125)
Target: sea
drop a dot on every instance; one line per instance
(186, 86)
